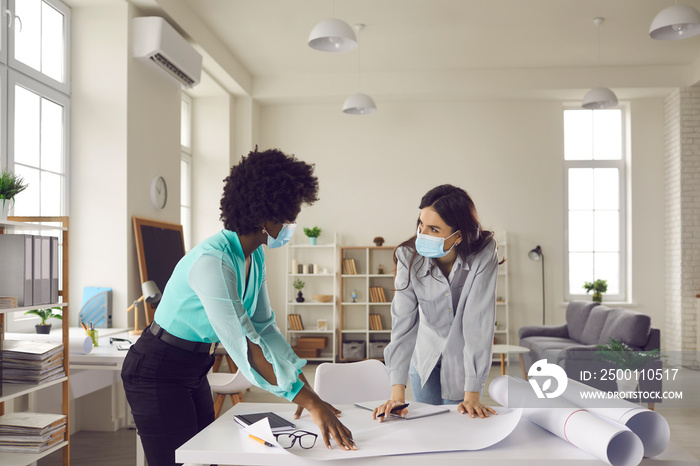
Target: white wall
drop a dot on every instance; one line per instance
(374, 169)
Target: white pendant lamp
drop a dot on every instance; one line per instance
(359, 104)
(599, 97)
(675, 22)
(332, 35)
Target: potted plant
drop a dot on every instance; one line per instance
(44, 315)
(10, 186)
(598, 287)
(299, 285)
(626, 358)
(312, 233)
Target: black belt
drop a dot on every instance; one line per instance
(187, 345)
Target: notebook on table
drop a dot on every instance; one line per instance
(415, 408)
(277, 423)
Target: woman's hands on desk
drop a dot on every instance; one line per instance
(398, 398)
(472, 406)
(326, 418)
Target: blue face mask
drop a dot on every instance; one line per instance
(432, 246)
(283, 236)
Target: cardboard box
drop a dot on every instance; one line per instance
(312, 342)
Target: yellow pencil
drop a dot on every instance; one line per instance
(257, 439)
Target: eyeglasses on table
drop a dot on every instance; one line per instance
(288, 439)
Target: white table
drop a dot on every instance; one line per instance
(511, 349)
(528, 444)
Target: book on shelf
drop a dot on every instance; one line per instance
(25, 361)
(30, 432)
(294, 321)
(375, 322)
(349, 267)
(376, 294)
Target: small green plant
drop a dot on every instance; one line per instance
(624, 356)
(298, 284)
(314, 232)
(598, 287)
(46, 314)
(10, 186)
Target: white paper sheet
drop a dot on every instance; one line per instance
(77, 344)
(650, 426)
(610, 442)
(447, 432)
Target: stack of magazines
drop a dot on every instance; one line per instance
(32, 362)
(31, 432)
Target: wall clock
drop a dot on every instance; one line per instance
(159, 192)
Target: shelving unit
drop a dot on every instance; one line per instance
(355, 323)
(12, 391)
(502, 331)
(313, 313)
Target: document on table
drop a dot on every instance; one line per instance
(415, 409)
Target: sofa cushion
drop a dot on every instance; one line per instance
(576, 316)
(627, 326)
(594, 325)
(538, 345)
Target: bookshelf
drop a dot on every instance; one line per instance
(365, 315)
(10, 392)
(502, 329)
(310, 324)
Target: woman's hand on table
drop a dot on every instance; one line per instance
(385, 409)
(473, 406)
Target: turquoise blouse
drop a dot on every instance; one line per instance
(207, 300)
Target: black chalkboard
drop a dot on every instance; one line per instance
(159, 247)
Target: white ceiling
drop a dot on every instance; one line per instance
(458, 38)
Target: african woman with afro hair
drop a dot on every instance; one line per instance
(218, 294)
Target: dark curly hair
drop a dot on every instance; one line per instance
(264, 186)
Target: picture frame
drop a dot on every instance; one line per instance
(322, 324)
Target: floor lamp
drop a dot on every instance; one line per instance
(537, 255)
(151, 294)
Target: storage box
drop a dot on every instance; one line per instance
(312, 342)
(354, 349)
(306, 352)
(376, 349)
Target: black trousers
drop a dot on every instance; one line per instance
(169, 395)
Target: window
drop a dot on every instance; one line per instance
(594, 148)
(186, 169)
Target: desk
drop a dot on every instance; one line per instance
(508, 349)
(528, 444)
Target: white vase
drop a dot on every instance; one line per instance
(5, 206)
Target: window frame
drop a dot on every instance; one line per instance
(623, 181)
(27, 70)
(186, 156)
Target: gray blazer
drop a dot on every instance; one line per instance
(450, 320)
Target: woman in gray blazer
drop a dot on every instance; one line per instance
(444, 307)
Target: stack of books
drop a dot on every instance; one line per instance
(31, 432)
(8, 302)
(375, 322)
(349, 267)
(294, 321)
(32, 362)
(376, 294)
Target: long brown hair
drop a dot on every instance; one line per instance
(458, 211)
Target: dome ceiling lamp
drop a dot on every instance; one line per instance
(332, 35)
(359, 104)
(599, 97)
(675, 22)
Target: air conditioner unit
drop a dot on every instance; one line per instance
(157, 43)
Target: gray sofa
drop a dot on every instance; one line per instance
(572, 345)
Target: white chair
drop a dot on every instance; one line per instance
(347, 383)
(223, 384)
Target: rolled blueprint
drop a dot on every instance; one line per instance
(613, 443)
(650, 427)
(77, 344)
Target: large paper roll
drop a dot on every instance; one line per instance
(650, 427)
(77, 344)
(613, 443)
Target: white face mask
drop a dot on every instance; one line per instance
(283, 236)
(432, 246)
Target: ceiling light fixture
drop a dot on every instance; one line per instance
(599, 97)
(359, 104)
(675, 22)
(332, 35)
